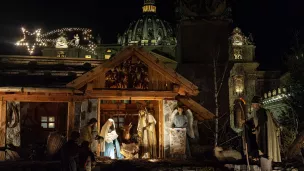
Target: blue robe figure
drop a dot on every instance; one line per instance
(110, 147)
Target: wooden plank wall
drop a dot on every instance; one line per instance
(99, 82)
(161, 125)
(2, 128)
(158, 81)
(156, 116)
(159, 117)
(98, 124)
(70, 118)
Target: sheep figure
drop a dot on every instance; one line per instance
(227, 155)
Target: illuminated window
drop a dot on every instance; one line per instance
(88, 56)
(107, 56)
(48, 122)
(109, 50)
(239, 84)
(61, 54)
(149, 8)
(237, 52)
(119, 121)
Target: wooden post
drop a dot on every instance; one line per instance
(98, 124)
(2, 128)
(71, 118)
(161, 129)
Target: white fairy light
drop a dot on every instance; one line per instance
(42, 39)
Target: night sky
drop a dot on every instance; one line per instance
(271, 22)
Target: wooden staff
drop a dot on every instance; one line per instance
(246, 145)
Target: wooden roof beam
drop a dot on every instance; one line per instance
(200, 111)
(41, 98)
(130, 94)
(90, 75)
(172, 75)
(188, 88)
(38, 90)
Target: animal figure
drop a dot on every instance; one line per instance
(130, 151)
(227, 155)
(126, 132)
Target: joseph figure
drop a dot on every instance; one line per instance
(147, 134)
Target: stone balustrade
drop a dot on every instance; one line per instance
(275, 96)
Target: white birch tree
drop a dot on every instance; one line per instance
(218, 82)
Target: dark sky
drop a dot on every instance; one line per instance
(270, 21)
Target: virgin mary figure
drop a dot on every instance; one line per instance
(110, 146)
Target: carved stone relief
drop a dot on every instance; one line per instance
(239, 39)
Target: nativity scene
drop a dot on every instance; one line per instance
(133, 106)
(134, 135)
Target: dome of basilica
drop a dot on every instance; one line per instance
(149, 29)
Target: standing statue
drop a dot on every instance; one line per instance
(76, 37)
(180, 120)
(110, 146)
(98, 39)
(147, 134)
(267, 134)
(194, 8)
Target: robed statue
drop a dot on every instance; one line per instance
(147, 134)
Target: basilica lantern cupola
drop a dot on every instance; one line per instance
(148, 30)
(149, 6)
(241, 47)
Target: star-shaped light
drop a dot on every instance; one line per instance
(37, 39)
(30, 40)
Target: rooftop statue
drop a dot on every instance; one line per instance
(202, 8)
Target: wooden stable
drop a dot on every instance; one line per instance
(145, 78)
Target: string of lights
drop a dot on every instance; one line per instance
(41, 40)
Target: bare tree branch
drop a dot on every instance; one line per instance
(216, 102)
(209, 128)
(223, 115)
(224, 126)
(222, 79)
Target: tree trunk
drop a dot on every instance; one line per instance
(296, 146)
(216, 104)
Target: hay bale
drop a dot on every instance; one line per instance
(54, 143)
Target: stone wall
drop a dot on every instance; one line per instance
(198, 38)
(13, 124)
(169, 106)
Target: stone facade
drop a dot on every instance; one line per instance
(276, 99)
(242, 78)
(245, 80)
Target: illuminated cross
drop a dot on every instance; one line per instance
(30, 40)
